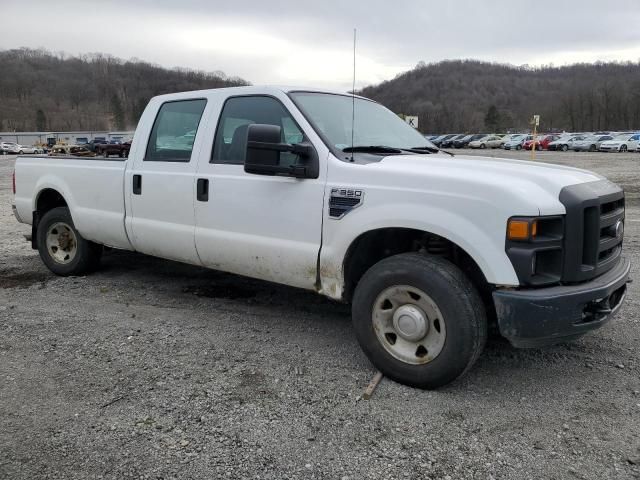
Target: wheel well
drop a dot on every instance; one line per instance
(375, 245)
(49, 199)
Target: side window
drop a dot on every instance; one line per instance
(237, 114)
(174, 131)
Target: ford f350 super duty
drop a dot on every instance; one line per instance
(336, 194)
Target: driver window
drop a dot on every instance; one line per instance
(237, 114)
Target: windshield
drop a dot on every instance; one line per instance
(374, 124)
(622, 138)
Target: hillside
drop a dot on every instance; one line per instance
(40, 90)
(458, 96)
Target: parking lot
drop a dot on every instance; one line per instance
(154, 369)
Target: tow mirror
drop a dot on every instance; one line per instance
(264, 147)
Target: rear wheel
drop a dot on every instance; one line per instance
(518, 147)
(565, 148)
(419, 320)
(61, 247)
(592, 148)
(483, 146)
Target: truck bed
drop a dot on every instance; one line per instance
(92, 187)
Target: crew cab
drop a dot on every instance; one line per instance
(336, 194)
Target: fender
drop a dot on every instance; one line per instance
(486, 250)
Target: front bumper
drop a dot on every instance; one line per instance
(537, 317)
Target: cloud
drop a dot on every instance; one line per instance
(292, 42)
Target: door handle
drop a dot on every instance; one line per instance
(137, 184)
(202, 190)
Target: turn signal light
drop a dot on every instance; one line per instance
(522, 229)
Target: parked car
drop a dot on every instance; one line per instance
(449, 142)
(541, 142)
(590, 143)
(464, 142)
(621, 143)
(25, 149)
(108, 149)
(565, 142)
(70, 150)
(443, 138)
(9, 148)
(490, 141)
(355, 223)
(516, 141)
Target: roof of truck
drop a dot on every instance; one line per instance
(256, 89)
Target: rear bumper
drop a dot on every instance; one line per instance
(538, 317)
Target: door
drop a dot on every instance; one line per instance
(162, 187)
(262, 226)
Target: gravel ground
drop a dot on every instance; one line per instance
(153, 369)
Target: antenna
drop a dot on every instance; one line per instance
(353, 94)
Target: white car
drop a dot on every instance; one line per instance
(490, 141)
(621, 143)
(427, 246)
(9, 148)
(22, 149)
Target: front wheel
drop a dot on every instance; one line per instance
(419, 320)
(483, 146)
(623, 148)
(565, 148)
(518, 147)
(61, 247)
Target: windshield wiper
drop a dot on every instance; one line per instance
(428, 149)
(372, 149)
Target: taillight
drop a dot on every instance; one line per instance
(14, 182)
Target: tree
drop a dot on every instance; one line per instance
(492, 119)
(118, 112)
(41, 121)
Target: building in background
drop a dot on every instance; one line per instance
(71, 138)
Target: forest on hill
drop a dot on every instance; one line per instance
(468, 95)
(45, 91)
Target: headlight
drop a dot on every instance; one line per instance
(534, 246)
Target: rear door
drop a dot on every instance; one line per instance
(161, 183)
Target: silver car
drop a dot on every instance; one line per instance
(516, 141)
(590, 143)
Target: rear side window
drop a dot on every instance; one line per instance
(238, 113)
(174, 131)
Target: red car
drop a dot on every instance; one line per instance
(542, 142)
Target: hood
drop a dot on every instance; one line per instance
(529, 186)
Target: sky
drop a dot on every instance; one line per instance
(307, 43)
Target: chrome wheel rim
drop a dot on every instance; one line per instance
(409, 324)
(62, 243)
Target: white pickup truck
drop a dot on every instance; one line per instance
(275, 184)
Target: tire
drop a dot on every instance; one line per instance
(20, 152)
(456, 328)
(565, 148)
(83, 256)
(518, 147)
(539, 148)
(592, 148)
(623, 148)
(483, 146)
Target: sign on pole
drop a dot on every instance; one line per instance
(413, 121)
(536, 120)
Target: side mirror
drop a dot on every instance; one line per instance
(263, 154)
